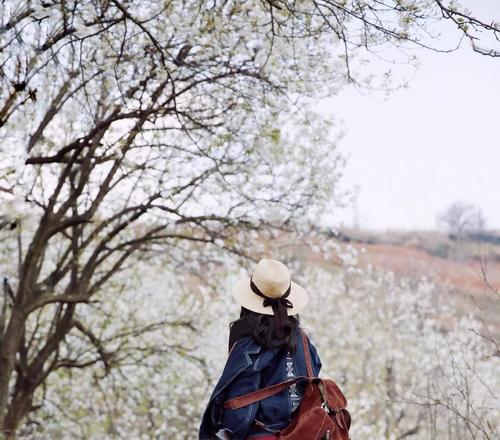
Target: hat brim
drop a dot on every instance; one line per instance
(244, 296)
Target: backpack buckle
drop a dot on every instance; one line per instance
(263, 426)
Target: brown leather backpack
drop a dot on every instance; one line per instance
(322, 413)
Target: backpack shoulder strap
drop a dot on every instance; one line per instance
(307, 354)
(263, 393)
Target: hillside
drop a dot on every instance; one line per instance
(456, 264)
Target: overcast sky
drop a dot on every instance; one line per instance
(424, 148)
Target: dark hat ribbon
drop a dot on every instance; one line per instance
(279, 305)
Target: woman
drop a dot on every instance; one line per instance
(265, 348)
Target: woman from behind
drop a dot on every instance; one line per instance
(266, 347)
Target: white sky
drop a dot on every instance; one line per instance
(424, 148)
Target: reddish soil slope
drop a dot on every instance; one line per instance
(412, 261)
(464, 279)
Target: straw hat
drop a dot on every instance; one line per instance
(272, 278)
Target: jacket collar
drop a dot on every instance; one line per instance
(238, 360)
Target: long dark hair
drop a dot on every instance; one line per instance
(262, 328)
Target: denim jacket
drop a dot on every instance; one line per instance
(250, 367)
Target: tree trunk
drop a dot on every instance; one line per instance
(18, 409)
(8, 349)
(21, 402)
(27, 381)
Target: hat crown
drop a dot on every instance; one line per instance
(272, 277)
